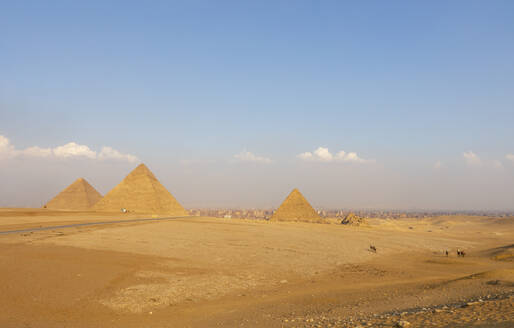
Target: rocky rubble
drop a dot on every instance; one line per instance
(354, 220)
(488, 310)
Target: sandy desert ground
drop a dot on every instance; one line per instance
(210, 272)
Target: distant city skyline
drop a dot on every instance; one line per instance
(359, 105)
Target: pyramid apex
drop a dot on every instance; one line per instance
(141, 169)
(296, 192)
(80, 182)
(142, 166)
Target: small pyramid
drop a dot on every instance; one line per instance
(140, 192)
(78, 196)
(354, 220)
(296, 208)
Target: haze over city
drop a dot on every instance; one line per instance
(232, 104)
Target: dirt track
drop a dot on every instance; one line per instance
(211, 272)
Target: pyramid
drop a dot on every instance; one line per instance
(140, 192)
(296, 208)
(78, 196)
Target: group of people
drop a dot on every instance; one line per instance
(459, 253)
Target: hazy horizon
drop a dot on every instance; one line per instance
(359, 105)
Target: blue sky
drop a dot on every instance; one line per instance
(410, 87)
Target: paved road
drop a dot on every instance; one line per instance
(88, 224)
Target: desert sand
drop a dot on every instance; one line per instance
(210, 272)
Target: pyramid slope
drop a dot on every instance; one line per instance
(140, 192)
(296, 208)
(78, 196)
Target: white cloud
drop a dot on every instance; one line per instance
(4, 144)
(510, 157)
(246, 156)
(69, 150)
(72, 149)
(352, 157)
(438, 165)
(322, 154)
(109, 153)
(471, 158)
(6, 149)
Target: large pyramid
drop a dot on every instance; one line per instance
(140, 192)
(296, 208)
(78, 196)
